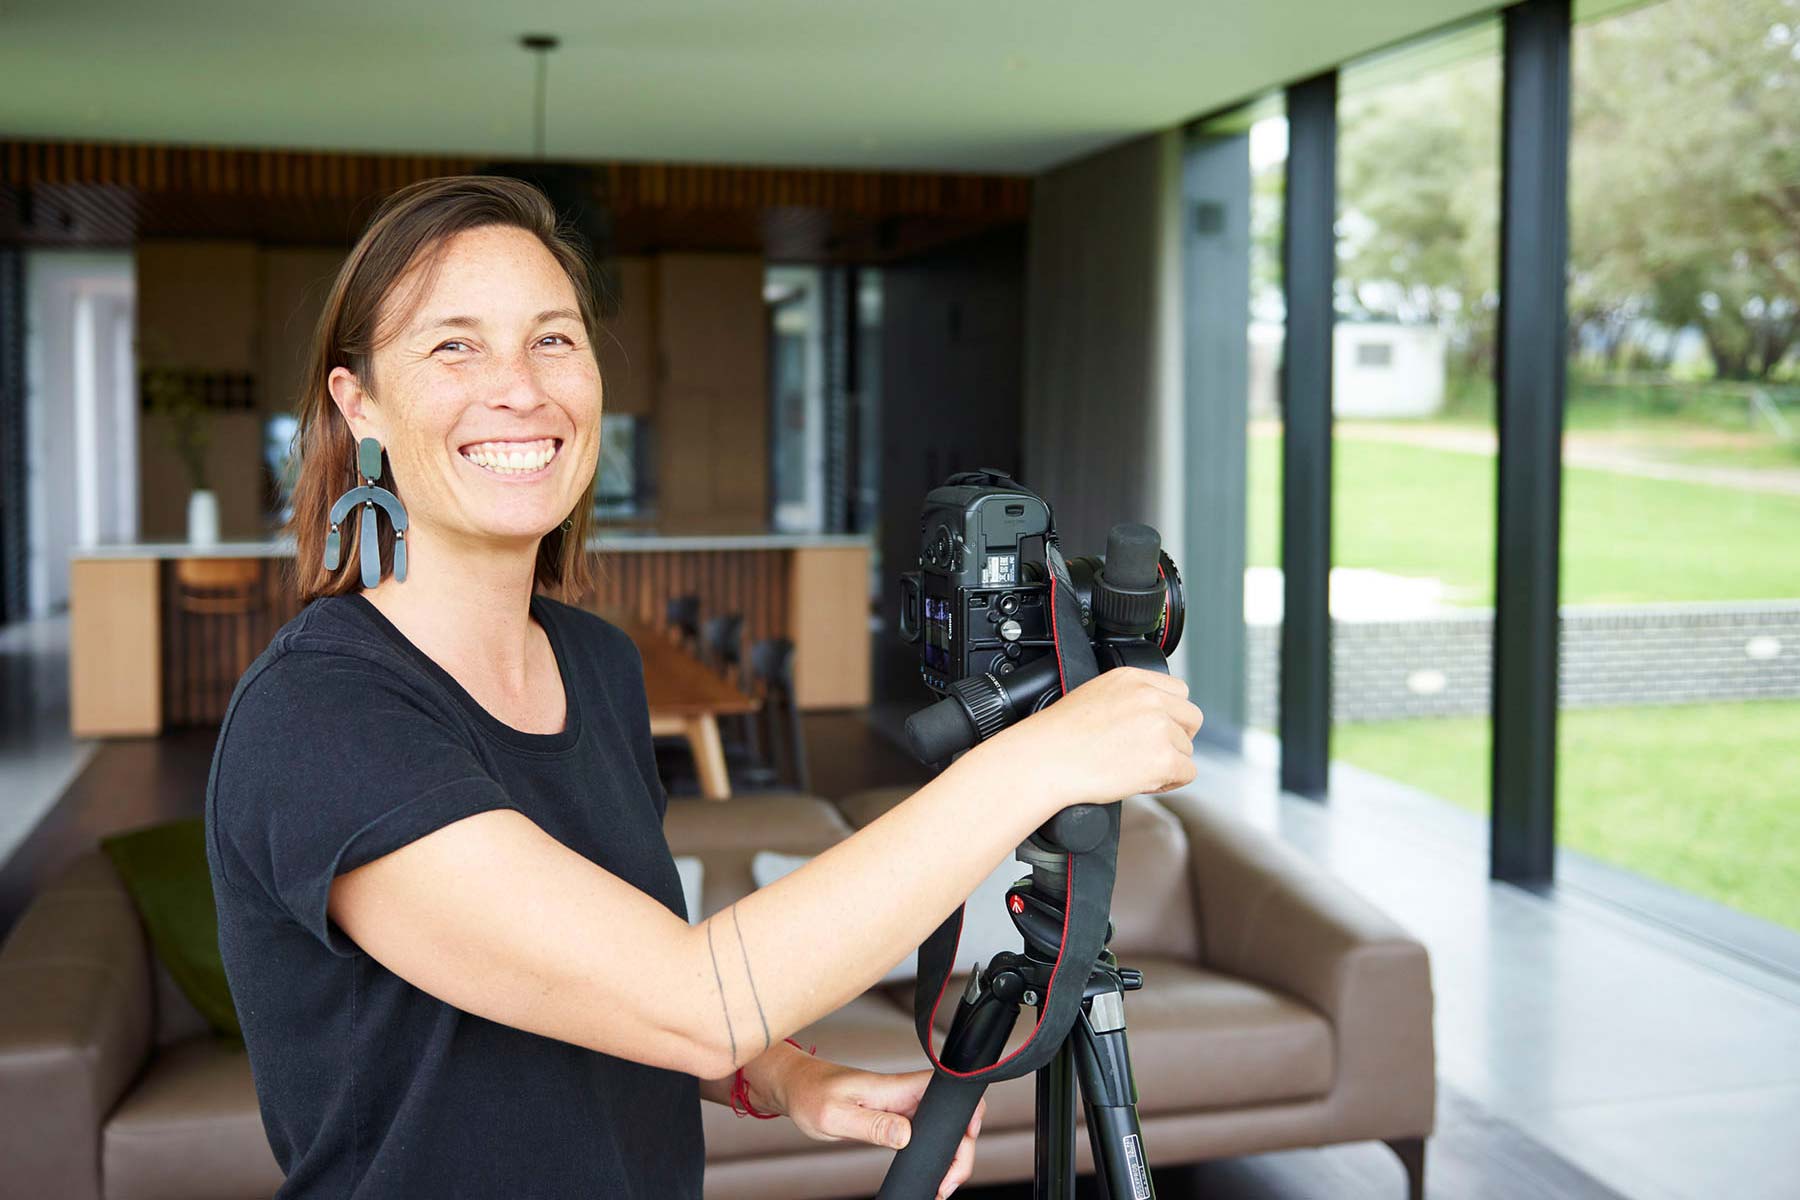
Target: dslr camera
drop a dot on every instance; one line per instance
(979, 608)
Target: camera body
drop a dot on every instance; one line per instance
(979, 601)
(979, 607)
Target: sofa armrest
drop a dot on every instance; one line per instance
(75, 1028)
(1269, 914)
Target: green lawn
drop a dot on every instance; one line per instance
(1703, 797)
(1417, 511)
(1684, 421)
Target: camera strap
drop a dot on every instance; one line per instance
(1087, 902)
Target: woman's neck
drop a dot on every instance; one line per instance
(468, 607)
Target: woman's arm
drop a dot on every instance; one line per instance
(496, 917)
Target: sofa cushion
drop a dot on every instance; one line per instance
(788, 821)
(190, 1130)
(1199, 1040)
(1153, 905)
(1153, 899)
(164, 869)
(692, 870)
(860, 808)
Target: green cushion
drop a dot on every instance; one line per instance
(164, 869)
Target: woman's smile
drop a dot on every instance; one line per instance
(516, 461)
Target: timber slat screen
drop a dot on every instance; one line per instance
(218, 620)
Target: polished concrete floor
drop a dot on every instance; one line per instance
(1583, 1051)
(1667, 1068)
(38, 758)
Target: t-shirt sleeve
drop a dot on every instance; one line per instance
(328, 762)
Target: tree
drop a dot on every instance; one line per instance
(1418, 181)
(1684, 188)
(1685, 174)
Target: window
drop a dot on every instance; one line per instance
(1678, 757)
(1414, 447)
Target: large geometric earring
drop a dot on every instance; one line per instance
(368, 494)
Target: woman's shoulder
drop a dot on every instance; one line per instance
(327, 652)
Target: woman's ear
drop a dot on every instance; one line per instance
(358, 409)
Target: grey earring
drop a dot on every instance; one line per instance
(368, 495)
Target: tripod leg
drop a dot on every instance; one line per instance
(1110, 1098)
(1054, 1173)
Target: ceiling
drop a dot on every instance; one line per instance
(954, 85)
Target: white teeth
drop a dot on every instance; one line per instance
(506, 458)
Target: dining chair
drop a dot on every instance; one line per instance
(682, 614)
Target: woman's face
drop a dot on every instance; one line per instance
(488, 402)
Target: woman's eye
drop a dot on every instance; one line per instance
(567, 341)
(451, 342)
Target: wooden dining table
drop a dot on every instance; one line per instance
(686, 698)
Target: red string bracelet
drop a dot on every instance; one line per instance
(740, 1089)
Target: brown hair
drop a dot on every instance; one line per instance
(414, 224)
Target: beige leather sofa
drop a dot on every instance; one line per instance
(1278, 1011)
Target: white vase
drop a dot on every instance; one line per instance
(203, 518)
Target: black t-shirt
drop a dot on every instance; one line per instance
(342, 743)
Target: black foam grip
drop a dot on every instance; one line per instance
(937, 1130)
(937, 732)
(1131, 552)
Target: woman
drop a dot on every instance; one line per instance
(452, 926)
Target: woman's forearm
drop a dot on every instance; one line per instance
(788, 954)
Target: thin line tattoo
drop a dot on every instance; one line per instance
(720, 981)
(767, 1041)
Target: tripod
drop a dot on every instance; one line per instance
(1092, 1052)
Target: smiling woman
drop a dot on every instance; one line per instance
(460, 336)
(434, 823)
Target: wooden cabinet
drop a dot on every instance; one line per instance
(712, 407)
(688, 348)
(627, 347)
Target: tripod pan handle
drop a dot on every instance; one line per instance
(937, 1129)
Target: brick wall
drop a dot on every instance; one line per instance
(1611, 657)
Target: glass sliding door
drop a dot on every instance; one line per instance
(1679, 730)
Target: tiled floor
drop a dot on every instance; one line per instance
(1665, 1068)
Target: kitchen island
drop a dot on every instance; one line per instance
(159, 632)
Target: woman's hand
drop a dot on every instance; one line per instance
(831, 1102)
(1126, 731)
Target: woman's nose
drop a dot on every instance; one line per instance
(515, 383)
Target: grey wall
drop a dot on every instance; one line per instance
(1136, 372)
(951, 360)
(1102, 343)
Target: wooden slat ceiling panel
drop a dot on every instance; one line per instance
(94, 193)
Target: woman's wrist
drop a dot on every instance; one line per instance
(769, 1076)
(1006, 765)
